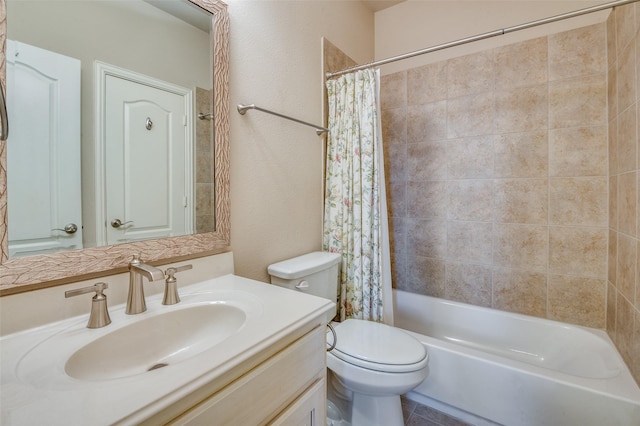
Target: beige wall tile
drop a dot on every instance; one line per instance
(204, 167)
(521, 64)
(613, 147)
(579, 201)
(611, 309)
(394, 126)
(625, 25)
(426, 238)
(427, 122)
(634, 350)
(520, 291)
(427, 83)
(520, 246)
(612, 262)
(393, 90)
(425, 276)
(469, 283)
(577, 52)
(611, 39)
(470, 200)
(624, 328)
(626, 141)
(578, 251)
(395, 159)
(626, 266)
(612, 93)
(398, 272)
(471, 115)
(577, 300)
(637, 45)
(471, 74)
(428, 199)
(637, 301)
(613, 202)
(580, 151)
(627, 199)
(397, 233)
(522, 155)
(522, 109)
(470, 158)
(469, 242)
(580, 101)
(626, 77)
(521, 201)
(427, 161)
(204, 199)
(396, 199)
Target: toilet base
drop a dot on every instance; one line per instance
(376, 410)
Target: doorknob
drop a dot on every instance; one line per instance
(69, 228)
(117, 223)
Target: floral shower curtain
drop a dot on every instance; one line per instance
(355, 216)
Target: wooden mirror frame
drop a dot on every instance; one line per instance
(47, 270)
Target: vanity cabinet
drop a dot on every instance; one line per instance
(288, 388)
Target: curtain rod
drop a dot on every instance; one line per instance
(482, 36)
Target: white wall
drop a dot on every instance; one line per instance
(418, 24)
(276, 165)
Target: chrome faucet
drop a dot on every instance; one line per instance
(137, 269)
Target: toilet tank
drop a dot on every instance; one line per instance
(314, 273)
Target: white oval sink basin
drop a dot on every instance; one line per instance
(155, 342)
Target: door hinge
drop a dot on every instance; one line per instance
(184, 120)
(185, 202)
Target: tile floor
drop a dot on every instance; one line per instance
(419, 415)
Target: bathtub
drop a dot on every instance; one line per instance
(487, 366)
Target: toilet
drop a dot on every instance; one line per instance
(372, 364)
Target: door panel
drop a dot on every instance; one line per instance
(145, 137)
(43, 151)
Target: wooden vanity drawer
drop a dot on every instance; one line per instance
(261, 394)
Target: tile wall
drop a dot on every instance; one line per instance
(497, 177)
(205, 187)
(513, 178)
(623, 296)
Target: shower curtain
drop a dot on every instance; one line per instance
(355, 215)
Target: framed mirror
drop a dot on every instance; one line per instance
(40, 270)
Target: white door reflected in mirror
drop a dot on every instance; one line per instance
(148, 158)
(43, 160)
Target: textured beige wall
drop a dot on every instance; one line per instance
(623, 296)
(277, 165)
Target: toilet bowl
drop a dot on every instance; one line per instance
(374, 363)
(377, 363)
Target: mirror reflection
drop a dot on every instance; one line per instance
(106, 145)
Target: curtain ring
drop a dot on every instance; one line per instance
(335, 338)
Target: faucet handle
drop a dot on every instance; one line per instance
(99, 316)
(171, 296)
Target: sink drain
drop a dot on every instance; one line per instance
(155, 367)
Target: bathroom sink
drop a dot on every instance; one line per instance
(135, 368)
(155, 342)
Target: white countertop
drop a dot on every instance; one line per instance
(34, 389)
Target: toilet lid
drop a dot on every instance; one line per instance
(378, 347)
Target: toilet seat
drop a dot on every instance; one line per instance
(378, 347)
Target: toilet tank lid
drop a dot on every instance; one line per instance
(306, 264)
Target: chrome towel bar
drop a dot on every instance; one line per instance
(242, 109)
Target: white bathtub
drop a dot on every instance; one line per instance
(490, 366)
